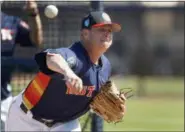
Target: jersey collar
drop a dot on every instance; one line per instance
(84, 51)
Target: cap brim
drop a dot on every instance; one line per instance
(115, 27)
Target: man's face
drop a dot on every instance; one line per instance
(100, 38)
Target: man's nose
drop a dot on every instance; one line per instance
(107, 33)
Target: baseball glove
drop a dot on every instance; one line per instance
(109, 103)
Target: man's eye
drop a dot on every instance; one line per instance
(110, 31)
(101, 30)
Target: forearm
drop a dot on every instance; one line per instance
(36, 32)
(34, 21)
(57, 63)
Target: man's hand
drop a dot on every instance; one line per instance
(31, 7)
(30, 4)
(73, 82)
(34, 21)
(58, 64)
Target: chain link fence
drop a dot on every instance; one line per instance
(139, 35)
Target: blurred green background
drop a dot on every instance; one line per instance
(162, 109)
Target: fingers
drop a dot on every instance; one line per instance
(30, 1)
(75, 83)
(78, 86)
(81, 85)
(31, 4)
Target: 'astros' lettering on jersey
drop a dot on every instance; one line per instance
(47, 95)
(86, 91)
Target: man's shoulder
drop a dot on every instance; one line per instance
(63, 49)
(66, 51)
(106, 62)
(105, 59)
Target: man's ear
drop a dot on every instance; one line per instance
(85, 33)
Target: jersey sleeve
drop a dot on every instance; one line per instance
(66, 53)
(23, 34)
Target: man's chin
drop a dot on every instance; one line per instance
(105, 44)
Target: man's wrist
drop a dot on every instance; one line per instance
(32, 12)
(67, 72)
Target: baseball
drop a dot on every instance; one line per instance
(51, 11)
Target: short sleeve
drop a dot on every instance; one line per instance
(66, 53)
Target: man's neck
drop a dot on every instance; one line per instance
(94, 58)
(93, 55)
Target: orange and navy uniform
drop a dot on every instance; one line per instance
(13, 31)
(47, 95)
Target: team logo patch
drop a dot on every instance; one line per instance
(52, 51)
(24, 24)
(71, 61)
(86, 23)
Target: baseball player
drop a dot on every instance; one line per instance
(16, 31)
(68, 80)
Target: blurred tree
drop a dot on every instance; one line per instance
(142, 60)
(162, 64)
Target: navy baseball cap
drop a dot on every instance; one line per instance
(99, 19)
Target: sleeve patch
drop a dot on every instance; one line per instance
(24, 24)
(71, 61)
(52, 51)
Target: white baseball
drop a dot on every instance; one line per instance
(51, 11)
